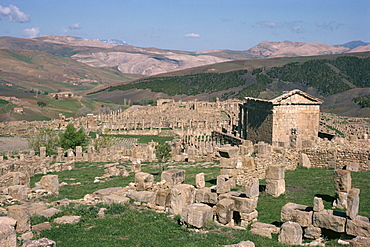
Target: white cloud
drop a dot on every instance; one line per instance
(297, 29)
(13, 14)
(267, 24)
(31, 32)
(292, 26)
(192, 35)
(328, 26)
(74, 26)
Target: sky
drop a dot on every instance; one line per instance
(190, 25)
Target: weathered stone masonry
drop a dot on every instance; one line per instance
(291, 119)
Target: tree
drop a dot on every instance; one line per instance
(71, 138)
(41, 104)
(163, 152)
(45, 138)
(104, 142)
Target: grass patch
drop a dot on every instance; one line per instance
(125, 225)
(132, 227)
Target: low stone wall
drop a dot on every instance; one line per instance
(338, 159)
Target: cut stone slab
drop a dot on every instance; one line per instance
(143, 181)
(8, 236)
(242, 244)
(162, 197)
(223, 184)
(340, 200)
(4, 220)
(173, 176)
(18, 192)
(359, 242)
(21, 214)
(224, 210)
(42, 226)
(304, 161)
(264, 229)
(200, 181)
(142, 196)
(50, 183)
(318, 204)
(275, 187)
(181, 196)
(300, 214)
(275, 172)
(43, 242)
(48, 212)
(360, 226)
(291, 233)
(67, 219)
(107, 191)
(228, 152)
(206, 195)
(252, 187)
(353, 202)
(342, 180)
(245, 204)
(228, 162)
(247, 218)
(197, 214)
(109, 199)
(312, 232)
(331, 220)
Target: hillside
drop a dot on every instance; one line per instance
(37, 70)
(59, 63)
(325, 77)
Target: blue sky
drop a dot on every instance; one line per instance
(190, 25)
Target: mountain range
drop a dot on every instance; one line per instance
(62, 63)
(152, 61)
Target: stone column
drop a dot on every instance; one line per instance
(275, 180)
(353, 202)
(60, 156)
(42, 152)
(79, 153)
(342, 185)
(200, 181)
(245, 120)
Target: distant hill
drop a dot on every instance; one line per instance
(325, 77)
(61, 63)
(152, 61)
(267, 49)
(353, 44)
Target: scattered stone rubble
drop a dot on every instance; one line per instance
(309, 222)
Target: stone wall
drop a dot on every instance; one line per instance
(301, 119)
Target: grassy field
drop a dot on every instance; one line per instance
(135, 226)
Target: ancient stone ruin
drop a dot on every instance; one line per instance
(251, 140)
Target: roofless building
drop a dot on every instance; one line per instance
(291, 119)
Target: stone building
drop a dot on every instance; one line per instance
(291, 119)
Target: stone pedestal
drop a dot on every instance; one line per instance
(181, 196)
(197, 214)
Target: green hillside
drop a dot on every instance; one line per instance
(189, 84)
(326, 76)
